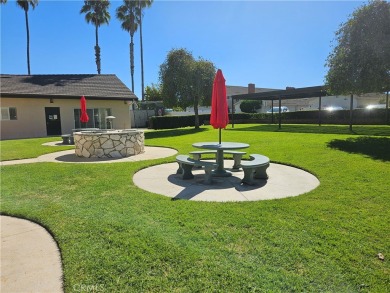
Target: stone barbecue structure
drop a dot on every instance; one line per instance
(109, 143)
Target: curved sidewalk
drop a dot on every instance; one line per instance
(30, 259)
(69, 156)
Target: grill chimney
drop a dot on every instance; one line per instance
(251, 88)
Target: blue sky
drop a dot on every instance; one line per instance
(273, 44)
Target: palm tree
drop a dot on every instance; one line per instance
(142, 4)
(96, 12)
(25, 4)
(127, 14)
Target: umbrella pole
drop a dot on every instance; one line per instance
(219, 135)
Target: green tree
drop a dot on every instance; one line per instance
(142, 4)
(25, 5)
(153, 93)
(186, 81)
(360, 62)
(250, 106)
(96, 12)
(127, 14)
(202, 75)
(174, 78)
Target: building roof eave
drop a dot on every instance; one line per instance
(291, 93)
(50, 96)
(66, 86)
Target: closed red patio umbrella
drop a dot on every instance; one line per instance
(219, 109)
(83, 105)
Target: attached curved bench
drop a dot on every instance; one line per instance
(186, 164)
(67, 139)
(256, 168)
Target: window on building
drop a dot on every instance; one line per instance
(8, 113)
(97, 118)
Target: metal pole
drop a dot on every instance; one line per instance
(232, 112)
(387, 107)
(272, 111)
(319, 111)
(350, 113)
(280, 112)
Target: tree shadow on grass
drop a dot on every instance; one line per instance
(172, 132)
(315, 129)
(378, 148)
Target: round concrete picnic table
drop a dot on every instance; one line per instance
(220, 147)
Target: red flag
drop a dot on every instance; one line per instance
(83, 105)
(219, 108)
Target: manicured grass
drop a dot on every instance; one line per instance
(125, 239)
(372, 130)
(28, 148)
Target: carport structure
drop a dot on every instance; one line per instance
(287, 94)
(298, 93)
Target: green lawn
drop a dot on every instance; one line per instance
(28, 148)
(124, 239)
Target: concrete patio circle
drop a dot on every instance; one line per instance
(284, 181)
(69, 156)
(54, 143)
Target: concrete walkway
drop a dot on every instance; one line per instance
(284, 181)
(30, 259)
(69, 156)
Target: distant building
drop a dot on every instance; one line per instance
(232, 90)
(304, 104)
(46, 105)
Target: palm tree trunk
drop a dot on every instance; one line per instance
(132, 62)
(97, 50)
(142, 57)
(28, 43)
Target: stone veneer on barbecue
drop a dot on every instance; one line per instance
(109, 143)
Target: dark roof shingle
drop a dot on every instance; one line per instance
(67, 86)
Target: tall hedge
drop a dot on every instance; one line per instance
(360, 116)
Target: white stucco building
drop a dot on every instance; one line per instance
(49, 105)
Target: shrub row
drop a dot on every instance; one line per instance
(359, 116)
(167, 122)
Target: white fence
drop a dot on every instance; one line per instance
(140, 118)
